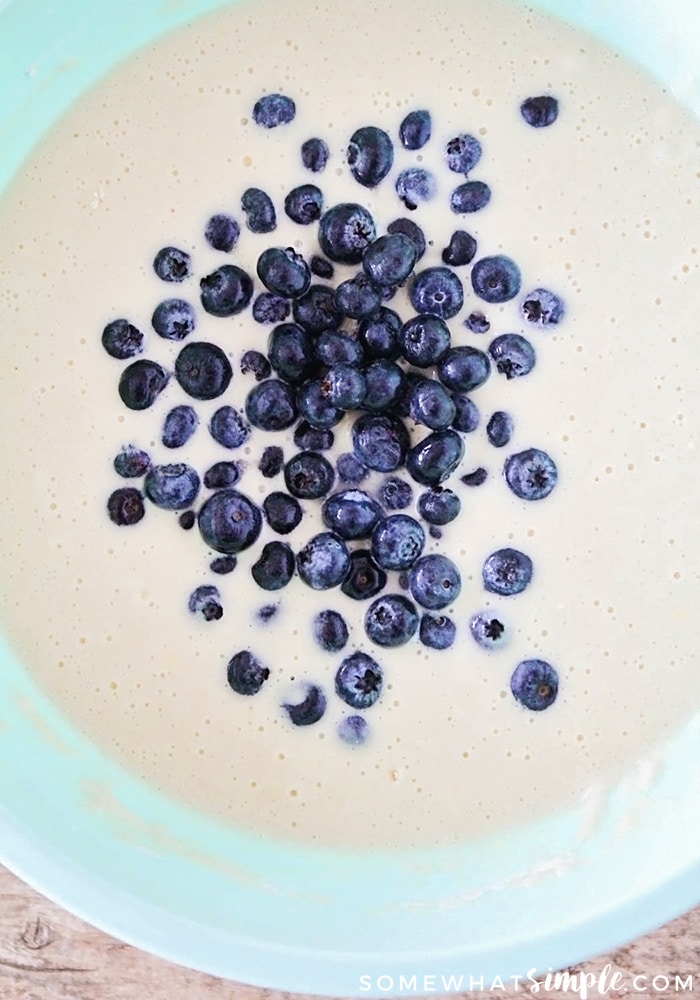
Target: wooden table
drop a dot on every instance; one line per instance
(48, 954)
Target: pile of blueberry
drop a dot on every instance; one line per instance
(338, 352)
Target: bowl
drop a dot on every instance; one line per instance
(552, 891)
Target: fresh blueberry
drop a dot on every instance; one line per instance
(345, 231)
(270, 308)
(467, 414)
(351, 513)
(132, 462)
(179, 425)
(187, 520)
(463, 368)
(395, 493)
(432, 405)
(414, 185)
(171, 264)
(308, 475)
(507, 572)
(350, 469)
(462, 153)
(415, 129)
(460, 250)
(245, 673)
(434, 581)
(437, 290)
(173, 319)
(384, 385)
(228, 427)
(274, 567)
(324, 561)
(221, 232)
(314, 155)
(321, 267)
(437, 631)
(391, 620)
(282, 512)
(257, 364)
(439, 505)
(122, 340)
(499, 428)
(496, 279)
(206, 601)
(222, 474)
(310, 709)
(539, 112)
(513, 355)
(477, 477)
(477, 322)
(470, 197)
(379, 334)
(335, 347)
(330, 630)
(358, 680)
(370, 155)
(226, 291)
(435, 458)
(172, 487)
(304, 204)
(397, 541)
(412, 230)
(488, 630)
(531, 474)
(424, 340)
(353, 730)
(203, 370)
(308, 438)
(259, 211)
(229, 522)
(290, 350)
(271, 405)
(272, 110)
(389, 260)
(345, 386)
(316, 310)
(315, 407)
(284, 272)
(271, 461)
(364, 578)
(381, 441)
(543, 307)
(535, 684)
(141, 383)
(223, 565)
(125, 506)
(357, 297)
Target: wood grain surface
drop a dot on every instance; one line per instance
(48, 954)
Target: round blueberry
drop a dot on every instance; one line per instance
(412, 230)
(179, 425)
(437, 631)
(272, 110)
(314, 154)
(274, 567)
(435, 458)
(379, 334)
(507, 572)
(531, 474)
(391, 620)
(462, 153)
(171, 264)
(141, 383)
(439, 505)
(434, 581)
(384, 385)
(358, 680)
(271, 405)
(132, 462)
(345, 231)
(257, 364)
(310, 709)
(488, 630)
(284, 272)
(229, 522)
(308, 438)
(282, 512)
(432, 405)
(226, 291)
(172, 487)
(499, 428)
(460, 250)
(389, 260)
(223, 565)
(415, 185)
(470, 197)
(415, 129)
(330, 630)
(125, 506)
(364, 578)
(222, 474)
(203, 370)
(173, 319)
(316, 310)
(245, 673)
(513, 355)
(228, 427)
(334, 347)
(206, 601)
(543, 307)
(344, 386)
(351, 513)
(370, 155)
(304, 204)
(221, 232)
(259, 211)
(424, 340)
(357, 297)
(187, 520)
(308, 475)
(315, 407)
(324, 561)
(535, 684)
(269, 308)
(467, 414)
(463, 368)
(437, 290)
(395, 493)
(353, 730)
(290, 350)
(477, 322)
(539, 112)
(122, 340)
(350, 469)
(380, 441)
(397, 541)
(271, 461)
(496, 279)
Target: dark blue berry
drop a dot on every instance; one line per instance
(432, 405)
(512, 354)
(226, 291)
(439, 505)
(257, 364)
(395, 493)
(125, 506)
(141, 383)
(435, 458)
(223, 565)
(308, 438)
(357, 297)
(507, 572)
(172, 487)
(381, 441)
(206, 601)
(350, 469)
(271, 405)
(414, 185)
(132, 462)
(272, 110)
(304, 204)
(353, 730)
(467, 414)
(308, 475)
(271, 461)
(335, 347)
(412, 230)
(173, 319)
(270, 308)
(391, 620)
(463, 368)
(203, 370)
(310, 709)
(344, 386)
(259, 211)
(222, 474)
(330, 630)
(424, 340)
(434, 581)
(171, 264)
(284, 272)
(499, 428)
(245, 673)
(379, 334)
(321, 267)
(358, 680)
(488, 630)
(415, 129)
(229, 522)
(187, 520)
(535, 684)
(122, 340)
(228, 427)
(345, 231)
(314, 155)
(384, 385)
(290, 350)
(470, 197)
(543, 307)
(437, 290)
(316, 310)
(364, 578)
(475, 478)
(539, 112)
(496, 279)
(274, 567)
(370, 155)
(397, 541)
(462, 153)
(477, 322)
(179, 425)
(460, 250)
(315, 407)
(437, 631)
(282, 512)
(221, 232)
(531, 474)
(324, 561)
(351, 513)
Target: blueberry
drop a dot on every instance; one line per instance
(141, 383)
(389, 260)
(226, 291)
(282, 512)
(171, 264)
(344, 386)
(470, 197)
(173, 319)
(122, 340)
(316, 310)
(462, 153)
(353, 730)
(321, 267)
(324, 561)
(364, 578)
(228, 427)
(274, 567)
(380, 441)
(187, 520)
(507, 572)
(499, 428)
(222, 474)
(424, 340)
(290, 350)
(271, 405)
(284, 272)
(434, 581)
(330, 630)
(310, 710)
(395, 493)
(229, 522)
(437, 631)
(535, 684)
(384, 385)
(477, 322)
(397, 541)
(379, 334)
(304, 204)
(415, 129)
(437, 290)
(334, 347)
(308, 438)
(439, 505)
(223, 565)
(467, 414)
(358, 680)
(350, 469)
(414, 185)
(259, 211)
(391, 620)
(513, 355)
(257, 364)
(460, 250)
(271, 461)
(543, 307)
(435, 458)
(370, 155)
(203, 370)
(221, 232)
(412, 230)
(540, 111)
(496, 279)
(314, 155)
(179, 425)
(477, 477)
(132, 462)
(315, 407)
(245, 673)
(172, 487)
(270, 308)
(308, 475)
(357, 297)
(488, 630)
(272, 110)
(125, 506)
(432, 405)
(351, 513)
(206, 601)
(345, 231)
(531, 474)
(463, 368)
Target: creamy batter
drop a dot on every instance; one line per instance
(602, 208)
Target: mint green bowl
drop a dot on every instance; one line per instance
(83, 832)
